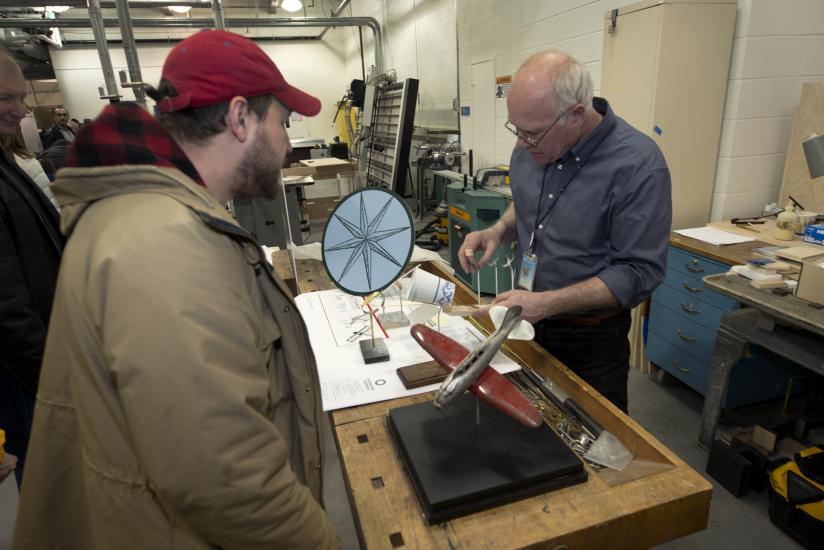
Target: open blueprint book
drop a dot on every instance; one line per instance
(334, 320)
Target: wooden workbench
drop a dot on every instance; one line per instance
(731, 254)
(656, 499)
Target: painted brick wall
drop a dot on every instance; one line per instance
(79, 74)
(778, 46)
(418, 42)
(509, 31)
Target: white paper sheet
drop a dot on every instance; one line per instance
(714, 236)
(333, 317)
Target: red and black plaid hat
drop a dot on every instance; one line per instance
(212, 67)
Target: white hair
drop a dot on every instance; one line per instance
(571, 82)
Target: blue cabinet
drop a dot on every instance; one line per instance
(682, 323)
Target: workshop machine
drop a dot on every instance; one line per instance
(473, 207)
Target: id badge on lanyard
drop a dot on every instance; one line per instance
(529, 267)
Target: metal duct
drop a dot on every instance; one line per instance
(335, 13)
(77, 23)
(220, 15)
(130, 49)
(99, 30)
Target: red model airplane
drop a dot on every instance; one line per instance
(470, 370)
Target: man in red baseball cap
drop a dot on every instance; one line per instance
(178, 404)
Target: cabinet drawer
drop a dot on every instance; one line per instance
(687, 305)
(693, 264)
(672, 359)
(683, 333)
(694, 286)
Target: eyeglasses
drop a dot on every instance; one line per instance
(533, 141)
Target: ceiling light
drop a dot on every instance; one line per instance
(53, 9)
(179, 9)
(291, 5)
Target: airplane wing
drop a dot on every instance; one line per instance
(491, 386)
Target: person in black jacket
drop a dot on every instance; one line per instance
(30, 248)
(60, 130)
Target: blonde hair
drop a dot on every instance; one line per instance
(16, 145)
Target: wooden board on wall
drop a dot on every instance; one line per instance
(809, 120)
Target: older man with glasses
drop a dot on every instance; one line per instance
(30, 249)
(591, 215)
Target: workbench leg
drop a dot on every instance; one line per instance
(729, 349)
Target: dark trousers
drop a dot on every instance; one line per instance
(599, 354)
(16, 415)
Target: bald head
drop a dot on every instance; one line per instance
(12, 95)
(550, 104)
(553, 80)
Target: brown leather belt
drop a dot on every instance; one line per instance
(592, 320)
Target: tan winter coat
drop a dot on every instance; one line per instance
(178, 405)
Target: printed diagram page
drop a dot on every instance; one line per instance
(336, 323)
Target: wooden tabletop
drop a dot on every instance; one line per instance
(730, 254)
(655, 499)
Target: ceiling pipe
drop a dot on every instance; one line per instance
(99, 31)
(335, 13)
(162, 4)
(220, 15)
(77, 23)
(80, 4)
(130, 49)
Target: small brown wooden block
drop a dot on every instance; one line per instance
(422, 374)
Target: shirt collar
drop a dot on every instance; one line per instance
(581, 151)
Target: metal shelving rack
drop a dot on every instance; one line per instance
(391, 120)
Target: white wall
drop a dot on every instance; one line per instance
(418, 42)
(778, 45)
(316, 67)
(509, 31)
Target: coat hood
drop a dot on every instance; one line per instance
(124, 150)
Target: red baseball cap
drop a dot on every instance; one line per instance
(212, 67)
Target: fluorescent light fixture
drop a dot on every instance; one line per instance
(179, 9)
(53, 9)
(291, 5)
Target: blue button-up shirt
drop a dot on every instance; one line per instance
(603, 210)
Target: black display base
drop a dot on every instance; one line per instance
(459, 467)
(376, 353)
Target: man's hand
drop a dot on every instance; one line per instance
(533, 304)
(487, 240)
(589, 295)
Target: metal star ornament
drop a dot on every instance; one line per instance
(368, 240)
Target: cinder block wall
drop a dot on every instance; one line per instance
(778, 46)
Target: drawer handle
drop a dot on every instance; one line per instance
(692, 267)
(690, 308)
(683, 336)
(692, 288)
(679, 367)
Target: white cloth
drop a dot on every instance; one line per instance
(35, 171)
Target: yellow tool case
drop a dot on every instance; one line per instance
(797, 497)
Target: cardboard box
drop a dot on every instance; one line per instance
(811, 281)
(814, 233)
(328, 167)
(321, 208)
